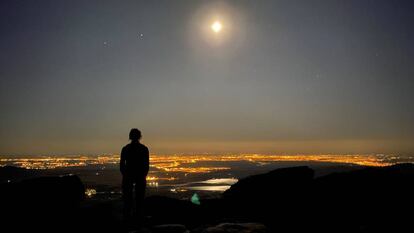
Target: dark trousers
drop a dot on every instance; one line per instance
(128, 194)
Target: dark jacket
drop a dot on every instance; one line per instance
(134, 160)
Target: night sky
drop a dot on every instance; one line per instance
(321, 76)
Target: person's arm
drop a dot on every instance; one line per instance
(122, 162)
(146, 165)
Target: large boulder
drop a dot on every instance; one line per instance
(272, 184)
(32, 201)
(375, 198)
(278, 196)
(47, 192)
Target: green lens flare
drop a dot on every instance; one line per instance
(195, 199)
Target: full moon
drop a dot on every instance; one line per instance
(216, 27)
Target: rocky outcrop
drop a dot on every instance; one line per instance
(375, 198)
(372, 198)
(291, 199)
(28, 204)
(284, 200)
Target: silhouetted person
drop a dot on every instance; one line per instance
(134, 168)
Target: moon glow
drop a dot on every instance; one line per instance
(216, 27)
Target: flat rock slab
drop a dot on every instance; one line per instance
(169, 228)
(236, 228)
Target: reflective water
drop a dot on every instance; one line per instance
(215, 184)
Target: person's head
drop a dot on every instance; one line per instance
(135, 135)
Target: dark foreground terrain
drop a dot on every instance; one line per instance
(283, 200)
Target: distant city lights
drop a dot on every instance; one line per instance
(186, 163)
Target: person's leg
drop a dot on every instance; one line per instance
(127, 188)
(140, 187)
